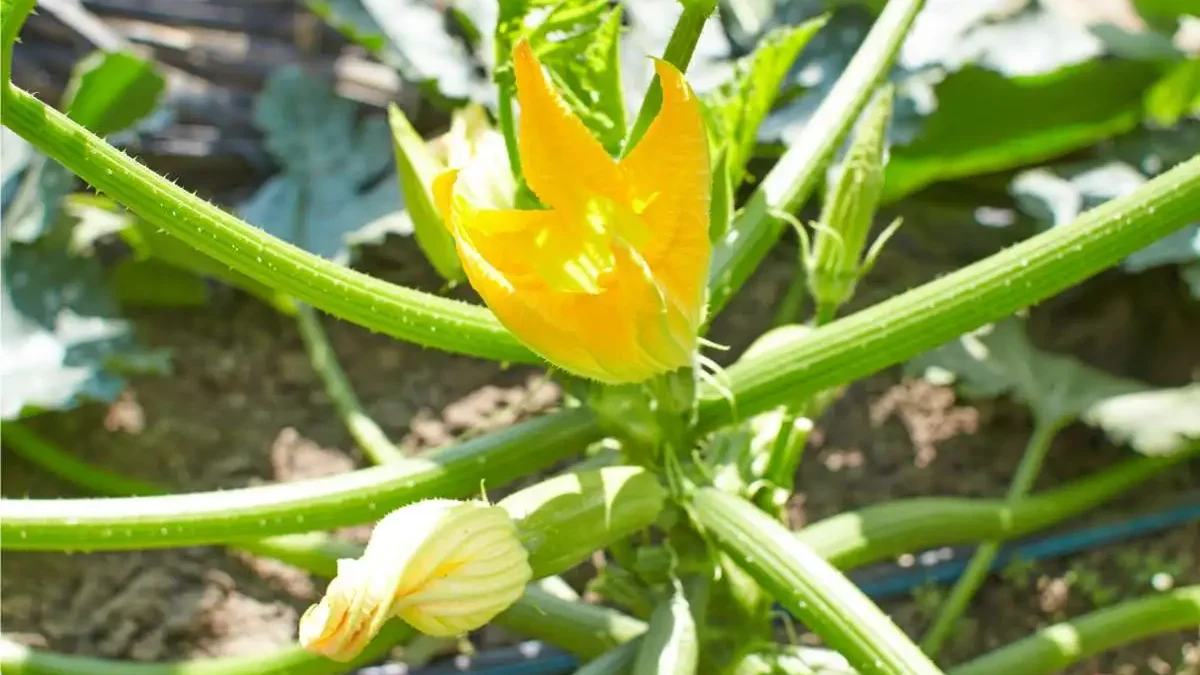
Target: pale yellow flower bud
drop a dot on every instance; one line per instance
(444, 566)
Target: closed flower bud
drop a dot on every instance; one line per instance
(443, 566)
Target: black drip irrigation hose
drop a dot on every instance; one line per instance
(879, 582)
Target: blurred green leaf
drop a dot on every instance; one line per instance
(985, 122)
(417, 168)
(151, 245)
(1059, 193)
(412, 36)
(578, 41)
(154, 283)
(1177, 94)
(584, 61)
(110, 91)
(738, 108)
(62, 340)
(107, 92)
(338, 188)
(1158, 422)
(999, 360)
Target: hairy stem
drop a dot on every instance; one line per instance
(898, 329)
(356, 497)
(400, 312)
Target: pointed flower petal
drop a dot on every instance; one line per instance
(669, 172)
(562, 162)
(608, 283)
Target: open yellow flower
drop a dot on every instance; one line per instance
(609, 281)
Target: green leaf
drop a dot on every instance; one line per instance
(809, 588)
(151, 244)
(417, 168)
(999, 360)
(578, 41)
(154, 283)
(669, 644)
(61, 336)
(108, 92)
(1177, 94)
(738, 107)
(723, 204)
(562, 520)
(111, 91)
(32, 193)
(586, 66)
(14, 14)
(1059, 193)
(985, 122)
(337, 189)
(412, 36)
(1158, 422)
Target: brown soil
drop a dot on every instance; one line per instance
(244, 407)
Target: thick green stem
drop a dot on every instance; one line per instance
(981, 561)
(857, 538)
(400, 312)
(360, 496)
(17, 659)
(373, 441)
(989, 290)
(792, 179)
(1053, 649)
(678, 53)
(584, 630)
(587, 631)
(808, 587)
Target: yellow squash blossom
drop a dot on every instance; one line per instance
(608, 282)
(443, 566)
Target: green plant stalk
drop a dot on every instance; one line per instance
(811, 589)
(847, 540)
(17, 659)
(784, 457)
(882, 531)
(906, 325)
(40, 452)
(247, 513)
(373, 441)
(793, 301)
(981, 560)
(843, 351)
(678, 53)
(792, 179)
(508, 122)
(585, 630)
(1056, 647)
(400, 312)
(316, 552)
(616, 661)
